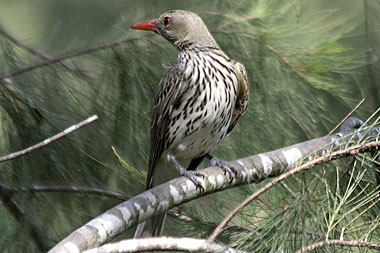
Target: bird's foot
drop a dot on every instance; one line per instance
(192, 175)
(227, 168)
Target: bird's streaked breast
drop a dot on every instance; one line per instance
(201, 116)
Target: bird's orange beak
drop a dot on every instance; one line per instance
(149, 25)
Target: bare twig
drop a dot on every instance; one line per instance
(65, 188)
(345, 118)
(68, 55)
(338, 125)
(49, 140)
(29, 48)
(24, 45)
(334, 155)
(24, 218)
(352, 243)
(162, 244)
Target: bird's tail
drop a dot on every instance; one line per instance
(151, 227)
(163, 171)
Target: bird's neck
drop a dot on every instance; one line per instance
(191, 45)
(188, 52)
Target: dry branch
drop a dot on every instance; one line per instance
(352, 243)
(162, 244)
(68, 55)
(253, 169)
(65, 188)
(49, 140)
(334, 155)
(22, 44)
(24, 218)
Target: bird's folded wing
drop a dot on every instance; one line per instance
(166, 95)
(242, 95)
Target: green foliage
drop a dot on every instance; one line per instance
(308, 63)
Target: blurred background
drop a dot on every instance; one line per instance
(309, 63)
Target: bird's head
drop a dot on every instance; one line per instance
(181, 28)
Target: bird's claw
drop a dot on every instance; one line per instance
(227, 168)
(194, 177)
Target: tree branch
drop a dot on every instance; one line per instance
(26, 221)
(352, 243)
(252, 169)
(49, 140)
(162, 244)
(27, 47)
(68, 55)
(65, 188)
(30, 49)
(334, 155)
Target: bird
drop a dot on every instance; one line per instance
(197, 103)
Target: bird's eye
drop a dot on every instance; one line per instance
(167, 21)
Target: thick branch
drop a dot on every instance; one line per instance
(162, 244)
(318, 160)
(252, 169)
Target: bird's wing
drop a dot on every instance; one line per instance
(166, 95)
(242, 95)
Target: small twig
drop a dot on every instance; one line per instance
(364, 211)
(362, 225)
(338, 125)
(345, 118)
(24, 218)
(352, 243)
(65, 188)
(24, 45)
(162, 244)
(348, 151)
(49, 140)
(176, 212)
(29, 48)
(68, 55)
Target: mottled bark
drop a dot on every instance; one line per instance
(253, 169)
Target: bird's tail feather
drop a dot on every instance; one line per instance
(163, 172)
